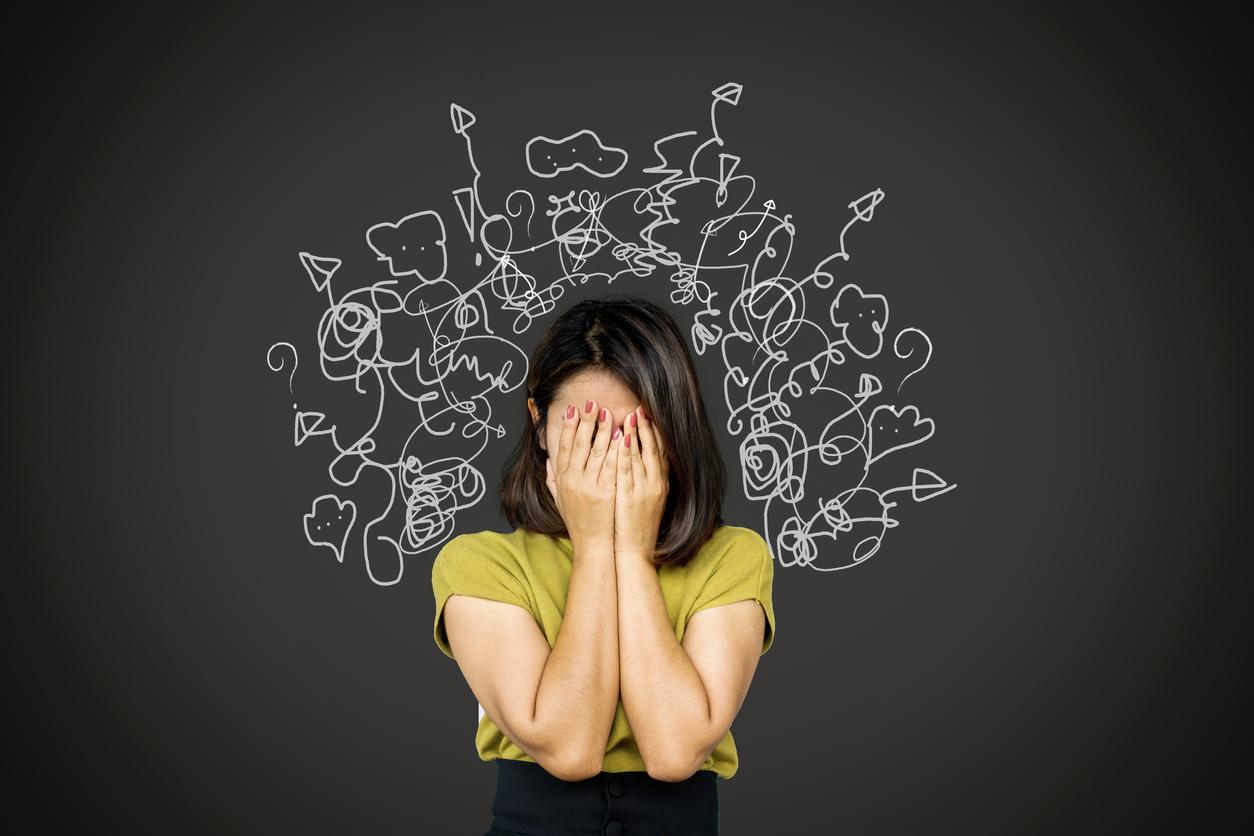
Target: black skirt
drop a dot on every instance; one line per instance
(531, 802)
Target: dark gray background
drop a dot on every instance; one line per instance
(1057, 646)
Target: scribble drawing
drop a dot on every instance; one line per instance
(812, 396)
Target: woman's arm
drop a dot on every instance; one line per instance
(578, 693)
(548, 701)
(579, 689)
(557, 704)
(680, 701)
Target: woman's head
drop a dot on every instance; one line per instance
(620, 352)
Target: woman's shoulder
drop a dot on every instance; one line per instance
(737, 536)
(487, 546)
(511, 548)
(732, 544)
(740, 538)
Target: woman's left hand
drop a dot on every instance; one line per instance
(641, 488)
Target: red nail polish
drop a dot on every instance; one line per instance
(570, 411)
(633, 419)
(617, 433)
(603, 413)
(587, 407)
(627, 440)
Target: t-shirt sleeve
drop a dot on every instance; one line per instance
(745, 572)
(469, 565)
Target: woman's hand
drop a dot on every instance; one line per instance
(582, 478)
(642, 484)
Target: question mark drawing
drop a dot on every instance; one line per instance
(270, 361)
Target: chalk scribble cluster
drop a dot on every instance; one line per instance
(693, 221)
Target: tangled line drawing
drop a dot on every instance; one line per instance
(692, 219)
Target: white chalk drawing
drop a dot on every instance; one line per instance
(583, 149)
(329, 522)
(801, 357)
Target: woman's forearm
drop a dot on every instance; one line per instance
(578, 693)
(663, 695)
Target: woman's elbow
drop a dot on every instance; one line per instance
(577, 767)
(673, 769)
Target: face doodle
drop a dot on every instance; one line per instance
(863, 318)
(328, 523)
(413, 246)
(550, 157)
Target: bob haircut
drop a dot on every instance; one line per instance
(639, 344)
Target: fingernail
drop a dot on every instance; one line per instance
(570, 411)
(603, 410)
(617, 432)
(627, 440)
(633, 419)
(587, 407)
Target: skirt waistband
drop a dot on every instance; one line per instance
(532, 802)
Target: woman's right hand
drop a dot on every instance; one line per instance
(583, 477)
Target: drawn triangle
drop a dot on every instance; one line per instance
(932, 487)
(307, 424)
(320, 269)
(462, 118)
(465, 200)
(729, 92)
(868, 385)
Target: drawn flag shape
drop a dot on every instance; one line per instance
(864, 207)
(320, 269)
(729, 92)
(307, 424)
(462, 118)
(868, 386)
(928, 485)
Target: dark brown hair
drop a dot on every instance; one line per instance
(639, 344)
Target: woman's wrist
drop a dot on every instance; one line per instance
(590, 546)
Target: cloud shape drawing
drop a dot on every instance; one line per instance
(583, 149)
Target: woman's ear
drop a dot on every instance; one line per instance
(536, 426)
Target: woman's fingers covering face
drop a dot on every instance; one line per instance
(566, 440)
(601, 441)
(582, 448)
(625, 444)
(609, 471)
(638, 473)
(651, 452)
(645, 434)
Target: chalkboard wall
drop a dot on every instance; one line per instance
(1057, 644)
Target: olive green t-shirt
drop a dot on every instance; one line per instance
(532, 571)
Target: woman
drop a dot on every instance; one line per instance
(612, 636)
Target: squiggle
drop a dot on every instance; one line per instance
(695, 223)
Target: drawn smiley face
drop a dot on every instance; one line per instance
(328, 523)
(583, 149)
(413, 246)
